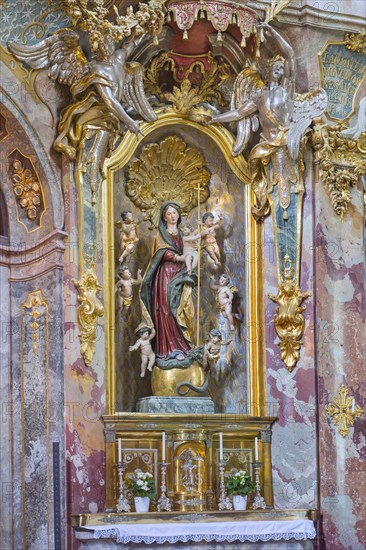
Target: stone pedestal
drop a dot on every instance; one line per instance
(177, 405)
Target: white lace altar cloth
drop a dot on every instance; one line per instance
(229, 531)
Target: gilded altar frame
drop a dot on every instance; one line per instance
(254, 256)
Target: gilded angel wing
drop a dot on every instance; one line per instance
(134, 93)
(246, 87)
(306, 107)
(60, 53)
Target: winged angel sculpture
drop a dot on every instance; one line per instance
(100, 87)
(284, 117)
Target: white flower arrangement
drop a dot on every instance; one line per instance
(239, 483)
(142, 484)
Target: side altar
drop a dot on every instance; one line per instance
(197, 451)
(178, 159)
(195, 460)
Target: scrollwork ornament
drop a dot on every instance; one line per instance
(342, 161)
(163, 169)
(289, 321)
(88, 311)
(343, 411)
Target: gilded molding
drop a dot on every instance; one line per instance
(162, 167)
(342, 162)
(343, 411)
(88, 311)
(289, 321)
(34, 302)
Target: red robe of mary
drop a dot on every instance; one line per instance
(169, 336)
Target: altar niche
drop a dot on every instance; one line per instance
(214, 201)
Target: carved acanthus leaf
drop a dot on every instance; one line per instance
(289, 321)
(88, 311)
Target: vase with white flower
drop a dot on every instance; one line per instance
(239, 485)
(143, 488)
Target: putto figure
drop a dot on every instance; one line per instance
(212, 349)
(145, 335)
(190, 241)
(225, 291)
(128, 235)
(284, 117)
(209, 243)
(124, 289)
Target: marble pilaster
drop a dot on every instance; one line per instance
(340, 326)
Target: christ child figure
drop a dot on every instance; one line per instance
(190, 247)
(128, 235)
(124, 288)
(145, 335)
(211, 352)
(209, 228)
(224, 297)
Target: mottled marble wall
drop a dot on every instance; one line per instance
(332, 354)
(37, 408)
(291, 395)
(340, 325)
(32, 388)
(84, 386)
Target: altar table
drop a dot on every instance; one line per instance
(185, 531)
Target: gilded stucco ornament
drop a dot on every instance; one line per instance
(343, 411)
(356, 42)
(289, 321)
(342, 160)
(164, 166)
(102, 85)
(27, 188)
(101, 88)
(88, 311)
(186, 96)
(37, 307)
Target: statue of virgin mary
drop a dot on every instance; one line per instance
(166, 296)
